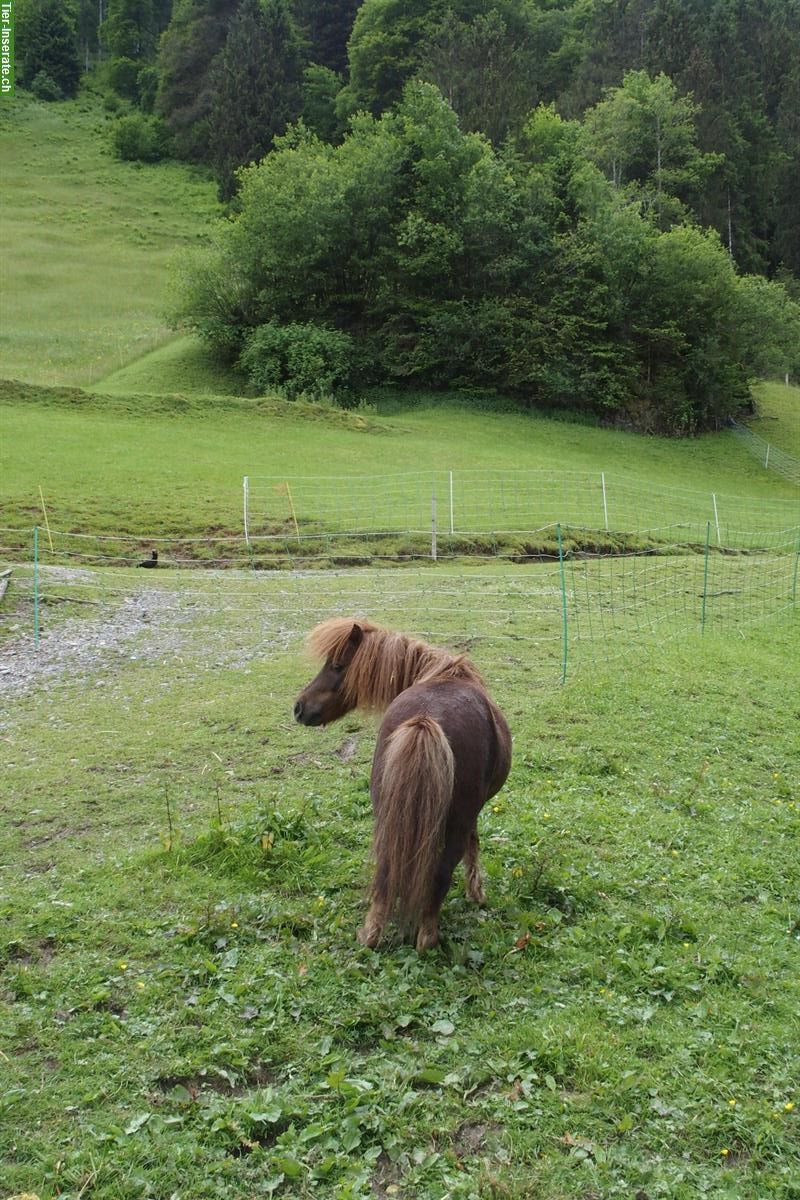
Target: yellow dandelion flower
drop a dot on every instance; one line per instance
(732, 1103)
(788, 1106)
(724, 1151)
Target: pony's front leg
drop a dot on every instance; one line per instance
(371, 931)
(472, 870)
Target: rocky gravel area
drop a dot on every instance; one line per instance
(83, 646)
(150, 624)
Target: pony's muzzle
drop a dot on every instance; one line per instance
(307, 716)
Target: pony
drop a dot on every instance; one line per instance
(443, 750)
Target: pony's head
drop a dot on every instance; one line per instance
(326, 698)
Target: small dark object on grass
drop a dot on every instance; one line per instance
(152, 561)
(443, 750)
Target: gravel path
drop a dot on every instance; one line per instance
(83, 646)
(149, 624)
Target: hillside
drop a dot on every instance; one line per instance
(86, 242)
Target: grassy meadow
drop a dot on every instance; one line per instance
(86, 242)
(184, 1010)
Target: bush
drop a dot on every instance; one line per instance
(123, 77)
(44, 87)
(138, 138)
(147, 85)
(301, 359)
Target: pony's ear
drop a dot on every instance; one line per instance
(356, 636)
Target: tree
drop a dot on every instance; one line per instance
(48, 44)
(187, 56)
(321, 86)
(384, 50)
(326, 26)
(448, 262)
(643, 134)
(483, 68)
(257, 90)
(130, 29)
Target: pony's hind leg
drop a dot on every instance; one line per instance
(472, 869)
(428, 929)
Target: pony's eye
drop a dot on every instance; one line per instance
(338, 667)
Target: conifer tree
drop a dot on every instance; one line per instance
(327, 25)
(187, 57)
(257, 88)
(48, 41)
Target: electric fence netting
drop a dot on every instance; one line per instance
(552, 610)
(474, 503)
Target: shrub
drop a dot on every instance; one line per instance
(307, 358)
(44, 87)
(123, 77)
(147, 85)
(138, 138)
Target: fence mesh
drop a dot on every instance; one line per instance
(553, 614)
(503, 501)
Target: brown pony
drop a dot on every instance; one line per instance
(443, 750)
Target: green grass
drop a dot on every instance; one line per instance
(183, 1006)
(85, 257)
(173, 466)
(181, 365)
(778, 418)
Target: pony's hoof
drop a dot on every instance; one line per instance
(427, 938)
(369, 935)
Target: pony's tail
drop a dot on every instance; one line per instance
(415, 789)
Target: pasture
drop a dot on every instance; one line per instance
(184, 1009)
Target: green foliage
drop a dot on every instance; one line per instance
(187, 58)
(140, 138)
(298, 359)
(130, 28)
(643, 135)
(44, 87)
(321, 86)
(326, 26)
(123, 77)
(452, 263)
(47, 43)
(256, 85)
(147, 88)
(384, 50)
(483, 64)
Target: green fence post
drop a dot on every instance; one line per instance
(564, 628)
(705, 579)
(36, 585)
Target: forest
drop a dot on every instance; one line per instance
(580, 204)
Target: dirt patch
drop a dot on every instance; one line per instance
(473, 1137)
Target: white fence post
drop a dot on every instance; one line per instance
(605, 499)
(246, 491)
(452, 524)
(716, 518)
(433, 527)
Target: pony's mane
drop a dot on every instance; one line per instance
(386, 663)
